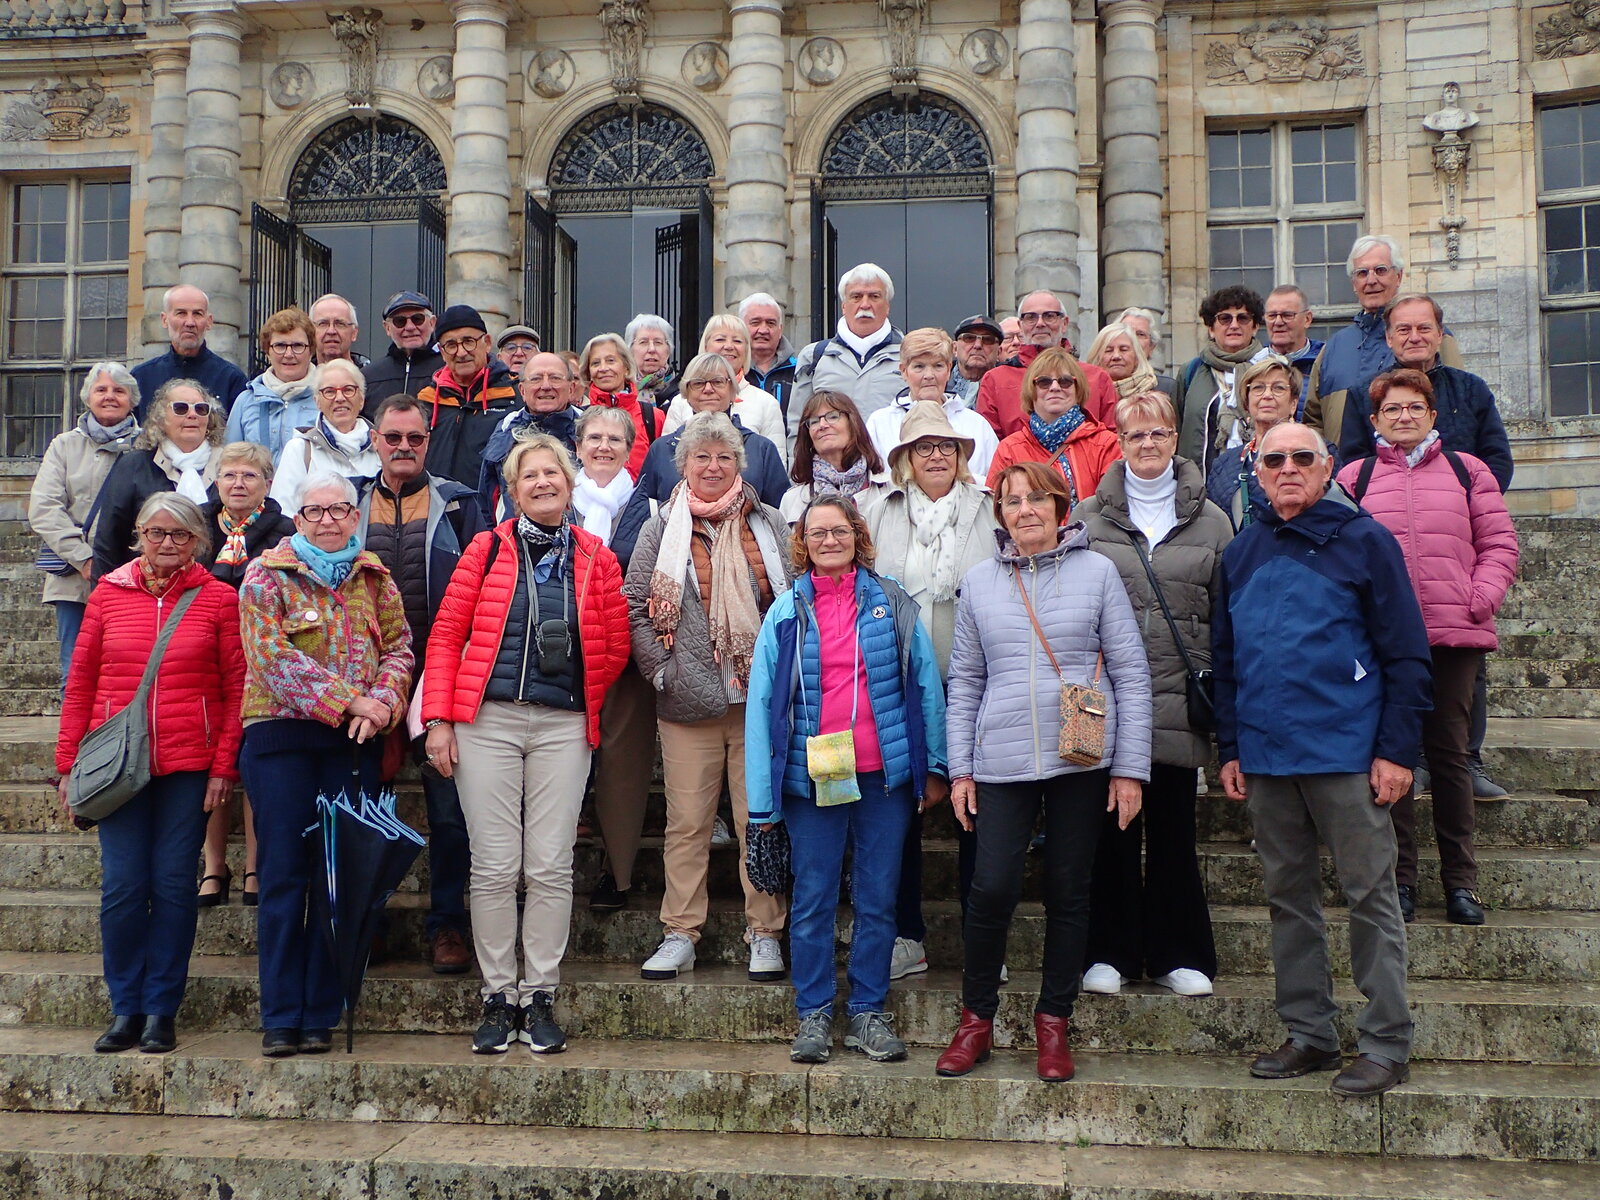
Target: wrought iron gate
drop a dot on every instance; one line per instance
(287, 267)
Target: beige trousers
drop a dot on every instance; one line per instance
(622, 769)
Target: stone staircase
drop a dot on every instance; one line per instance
(684, 1089)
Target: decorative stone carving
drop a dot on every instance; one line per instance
(624, 23)
(705, 66)
(65, 112)
(903, 19)
(289, 84)
(985, 51)
(821, 60)
(551, 73)
(1572, 31)
(1450, 154)
(1285, 51)
(436, 78)
(358, 31)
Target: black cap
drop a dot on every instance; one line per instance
(979, 321)
(406, 300)
(461, 316)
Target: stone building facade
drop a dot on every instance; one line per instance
(570, 163)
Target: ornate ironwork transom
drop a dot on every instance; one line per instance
(620, 158)
(366, 169)
(889, 147)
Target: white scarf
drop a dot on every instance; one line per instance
(598, 504)
(191, 468)
(353, 443)
(1414, 455)
(862, 345)
(284, 389)
(1152, 504)
(931, 557)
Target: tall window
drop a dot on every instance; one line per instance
(1284, 206)
(1569, 222)
(64, 304)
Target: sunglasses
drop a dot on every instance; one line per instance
(181, 408)
(404, 439)
(1273, 460)
(401, 320)
(1044, 383)
(1233, 319)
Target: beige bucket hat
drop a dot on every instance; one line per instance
(927, 419)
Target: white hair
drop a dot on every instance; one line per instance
(355, 318)
(119, 375)
(1373, 241)
(1143, 314)
(649, 321)
(325, 479)
(861, 273)
(756, 298)
(345, 365)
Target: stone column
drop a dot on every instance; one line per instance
(478, 268)
(1047, 152)
(163, 185)
(211, 254)
(1133, 237)
(755, 224)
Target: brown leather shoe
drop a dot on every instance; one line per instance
(1369, 1076)
(971, 1045)
(450, 955)
(1055, 1058)
(1291, 1060)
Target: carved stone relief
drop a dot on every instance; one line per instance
(436, 78)
(1573, 30)
(985, 51)
(289, 85)
(358, 31)
(821, 60)
(903, 19)
(705, 66)
(624, 23)
(551, 73)
(1285, 51)
(65, 112)
(1450, 155)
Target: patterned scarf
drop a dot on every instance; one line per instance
(157, 585)
(1053, 436)
(931, 556)
(825, 477)
(549, 550)
(657, 380)
(233, 552)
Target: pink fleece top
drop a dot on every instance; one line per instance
(836, 634)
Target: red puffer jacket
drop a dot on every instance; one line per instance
(194, 702)
(466, 633)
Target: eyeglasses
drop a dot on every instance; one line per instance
(1284, 316)
(408, 439)
(704, 460)
(1140, 436)
(178, 537)
(315, 513)
(1228, 318)
(546, 377)
(348, 392)
(597, 438)
(464, 345)
(239, 477)
(401, 320)
(943, 446)
(1273, 460)
(1390, 412)
(1372, 272)
(180, 408)
(1268, 389)
(839, 533)
(1044, 383)
(716, 381)
(1035, 500)
(336, 323)
(518, 347)
(289, 347)
(830, 417)
(1054, 314)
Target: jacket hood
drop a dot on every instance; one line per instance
(1321, 522)
(1072, 536)
(1113, 492)
(127, 576)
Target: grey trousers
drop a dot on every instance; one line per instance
(1288, 814)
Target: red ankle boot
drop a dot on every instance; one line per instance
(970, 1046)
(1055, 1056)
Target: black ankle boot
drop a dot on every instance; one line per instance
(121, 1034)
(160, 1035)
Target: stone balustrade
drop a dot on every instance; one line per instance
(56, 18)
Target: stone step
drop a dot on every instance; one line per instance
(1486, 1110)
(24, 650)
(1556, 703)
(1545, 673)
(1569, 643)
(29, 702)
(1540, 755)
(1527, 947)
(1499, 1022)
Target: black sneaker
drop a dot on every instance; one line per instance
(539, 1028)
(499, 1027)
(1408, 902)
(316, 1041)
(280, 1043)
(607, 896)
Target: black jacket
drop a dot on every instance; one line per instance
(396, 372)
(207, 368)
(271, 527)
(134, 478)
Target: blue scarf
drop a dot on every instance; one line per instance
(104, 435)
(1052, 436)
(333, 569)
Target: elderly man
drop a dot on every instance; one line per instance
(334, 318)
(1210, 417)
(1289, 318)
(1044, 324)
(862, 358)
(186, 316)
(1010, 336)
(546, 390)
(411, 360)
(1322, 676)
(515, 346)
(1146, 327)
(977, 353)
(772, 362)
(651, 340)
(418, 524)
(467, 397)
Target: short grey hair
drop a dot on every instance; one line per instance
(251, 453)
(349, 368)
(355, 317)
(182, 510)
(1321, 446)
(649, 321)
(710, 363)
(325, 479)
(166, 296)
(702, 430)
(120, 375)
(1374, 241)
(1143, 314)
(862, 272)
(1284, 289)
(598, 414)
(756, 298)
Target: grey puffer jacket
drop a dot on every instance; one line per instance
(688, 680)
(1188, 562)
(1003, 715)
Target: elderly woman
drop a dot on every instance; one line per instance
(1044, 607)
(926, 358)
(1059, 433)
(329, 657)
(705, 570)
(651, 341)
(727, 335)
(603, 486)
(1460, 547)
(280, 400)
(1269, 386)
(338, 442)
(531, 634)
(240, 523)
(833, 455)
(148, 846)
(607, 369)
(842, 655)
(175, 451)
(1151, 517)
(66, 497)
(1118, 351)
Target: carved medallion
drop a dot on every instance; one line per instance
(551, 73)
(289, 84)
(1573, 30)
(985, 51)
(436, 78)
(1284, 51)
(65, 112)
(821, 60)
(705, 66)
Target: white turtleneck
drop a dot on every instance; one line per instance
(1152, 503)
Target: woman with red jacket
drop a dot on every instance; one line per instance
(148, 847)
(531, 634)
(1060, 430)
(606, 367)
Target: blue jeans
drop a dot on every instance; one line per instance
(148, 850)
(69, 619)
(874, 829)
(449, 853)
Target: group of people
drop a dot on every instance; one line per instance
(841, 587)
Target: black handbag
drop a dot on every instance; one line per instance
(1197, 684)
(766, 857)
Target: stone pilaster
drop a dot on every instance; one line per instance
(211, 253)
(478, 267)
(163, 184)
(1132, 232)
(1047, 152)
(755, 225)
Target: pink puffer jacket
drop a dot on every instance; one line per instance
(1461, 551)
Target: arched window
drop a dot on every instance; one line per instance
(620, 158)
(366, 168)
(929, 146)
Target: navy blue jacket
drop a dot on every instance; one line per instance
(561, 425)
(210, 370)
(1303, 363)
(1329, 667)
(779, 381)
(1468, 423)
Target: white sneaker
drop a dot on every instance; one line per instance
(721, 835)
(1103, 979)
(766, 958)
(1005, 975)
(1185, 981)
(1201, 787)
(676, 953)
(909, 958)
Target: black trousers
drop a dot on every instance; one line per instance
(1152, 918)
(908, 922)
(1006, 816)
(1445, 732)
